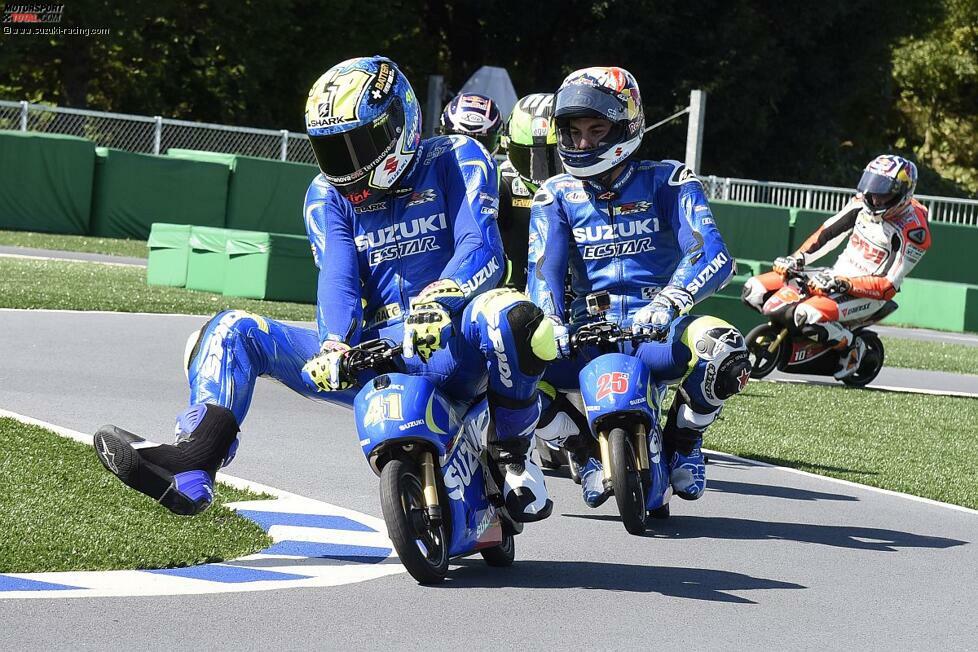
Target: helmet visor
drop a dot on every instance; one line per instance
(535, 162)
(351, 155)
(580, 101)
(877, 184)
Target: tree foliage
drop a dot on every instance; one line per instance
(796, 91)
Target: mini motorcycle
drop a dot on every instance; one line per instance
(622, 404)
(780, 344)
(437, 494)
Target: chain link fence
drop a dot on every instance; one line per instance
(136, 133)
(156, 135)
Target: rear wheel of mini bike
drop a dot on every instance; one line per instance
(660, 513)
(573, 468)
(627, 481)
(422, 549)
(871, 364)
(503, 554)
(762, 361)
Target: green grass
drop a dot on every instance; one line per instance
(918, 444)
(935, 356)
(90, 244)
(61, 511)
(70, 285)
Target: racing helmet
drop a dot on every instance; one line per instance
(887, 185)
(364, 124)
(608, 93)
(530, 138)
(473, 115)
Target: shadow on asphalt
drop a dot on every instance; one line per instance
(742, 529)
(773, 491)
(692, 583)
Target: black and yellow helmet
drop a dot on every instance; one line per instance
(530, 138)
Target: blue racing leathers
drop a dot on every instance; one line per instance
(438, 223)
(652, 230)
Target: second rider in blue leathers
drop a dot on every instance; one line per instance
(404, 234)
(643, 232)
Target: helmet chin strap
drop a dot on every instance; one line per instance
(608, 178)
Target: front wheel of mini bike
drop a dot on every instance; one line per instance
(759, 339)
(627, 481)
(421, 547)
(501, 555)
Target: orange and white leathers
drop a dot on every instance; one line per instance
(879, 255)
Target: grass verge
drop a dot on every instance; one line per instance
(934, 356)
(61, 511)
(918, 444)
(68, 285)
(90, 244)
(86, 286)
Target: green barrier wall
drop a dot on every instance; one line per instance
(263, 195)
(269, 195)
(803, 224)
(169, 252)
(45, 182)
(207, 265)
(134, 190)
(270, 266)
(951, 256)
(753, 231)
(731, 309)
(936, 304)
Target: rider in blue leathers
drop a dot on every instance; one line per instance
(643, 232)
(404, 234)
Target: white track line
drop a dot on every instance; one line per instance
(883, 388)
(69, 260)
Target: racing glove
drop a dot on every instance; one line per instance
(426, 330)
(824, 283)
(785, 264)
(444, 292)
(654, 318)
(561, 338)
(324, 371)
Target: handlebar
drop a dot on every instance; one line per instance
(370, 355)
(605, 333)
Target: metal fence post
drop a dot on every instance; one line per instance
(284, 153)
(694, 130)
(24, 106)
(432, 109)
(157, 133)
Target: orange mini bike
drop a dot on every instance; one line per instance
(780, 344)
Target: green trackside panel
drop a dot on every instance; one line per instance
(268, 195)
(753, 231)
(951, 256)
(169, 253)
(272, 266)
(730, 308)
(806, 222)
(931, 304)
(207, 266)
(971, 310)
(748, 267)
(46, 182)
(132, 191)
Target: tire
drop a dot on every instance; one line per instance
(758, 339)
(501, 555)
(423, 550)
(573, 468)
(660, 513)
(627, 481)
(549, 458)
(872, 361)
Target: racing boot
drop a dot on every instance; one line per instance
(592, 483)
(850, 359)
(524, 489)
(179, 476)
(682, 439)
(561, 425)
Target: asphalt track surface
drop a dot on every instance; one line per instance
(769, 558)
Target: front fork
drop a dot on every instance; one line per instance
(430, 488)
(777, 341)
(640, 444)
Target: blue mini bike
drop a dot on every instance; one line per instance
(622, 403)
(437, 493)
